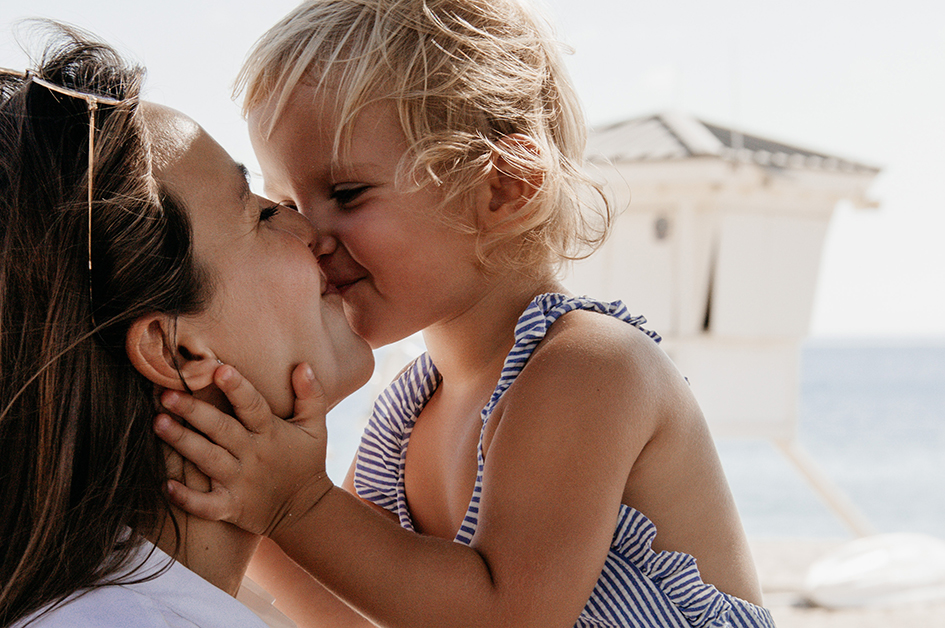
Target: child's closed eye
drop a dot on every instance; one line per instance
(346, 194)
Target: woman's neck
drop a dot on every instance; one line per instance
(216, 551)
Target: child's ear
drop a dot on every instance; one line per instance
(170, 353)
(512, 182)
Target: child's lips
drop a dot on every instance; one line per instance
(340, 272)
(343, 286)
(340, 285)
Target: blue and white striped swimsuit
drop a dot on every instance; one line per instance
(637, 586)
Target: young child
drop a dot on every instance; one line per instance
(544, 464)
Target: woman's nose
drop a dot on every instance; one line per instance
(305, 231)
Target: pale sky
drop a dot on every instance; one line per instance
(863, 80)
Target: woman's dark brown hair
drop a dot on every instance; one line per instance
(81, 472)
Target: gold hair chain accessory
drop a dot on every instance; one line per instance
(93, 102)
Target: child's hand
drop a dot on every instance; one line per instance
(265, 472)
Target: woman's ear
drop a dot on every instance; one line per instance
(512, 182)
(168, 352)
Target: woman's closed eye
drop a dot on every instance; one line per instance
(271, 210)
(268, 212)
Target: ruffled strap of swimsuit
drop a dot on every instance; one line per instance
(534, 323)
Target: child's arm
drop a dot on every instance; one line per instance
(298, 594)
(555, 473)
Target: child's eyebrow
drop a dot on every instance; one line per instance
(358, 169)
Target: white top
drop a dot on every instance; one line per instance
(177, 598)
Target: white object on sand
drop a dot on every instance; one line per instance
(880, 570)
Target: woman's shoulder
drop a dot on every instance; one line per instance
(173, 597)
(102, 607)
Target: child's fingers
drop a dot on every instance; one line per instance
(248, 405)
(212, 459)
(213, 506)
(218, 426)
(310, 401)
(173, 461)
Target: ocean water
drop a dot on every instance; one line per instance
(871, 416)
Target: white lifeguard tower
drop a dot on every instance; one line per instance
(720, 249)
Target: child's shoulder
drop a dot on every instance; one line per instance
(592, 355)
(606, 383)
(589, 335)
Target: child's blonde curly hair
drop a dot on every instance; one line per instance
(468, 79)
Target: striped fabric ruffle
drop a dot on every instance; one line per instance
(641, 587)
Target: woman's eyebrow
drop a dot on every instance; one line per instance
(245, 192)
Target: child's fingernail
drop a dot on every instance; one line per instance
(308, 373)
(225, 374)
(161, 423)
(170, 399)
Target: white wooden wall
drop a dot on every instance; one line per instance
(740, 245)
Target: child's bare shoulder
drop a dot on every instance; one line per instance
(603, 364)
(586, 336)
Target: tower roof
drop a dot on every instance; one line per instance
(670, 136)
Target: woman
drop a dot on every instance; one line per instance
(134, 259)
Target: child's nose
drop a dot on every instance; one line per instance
(326, 245)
